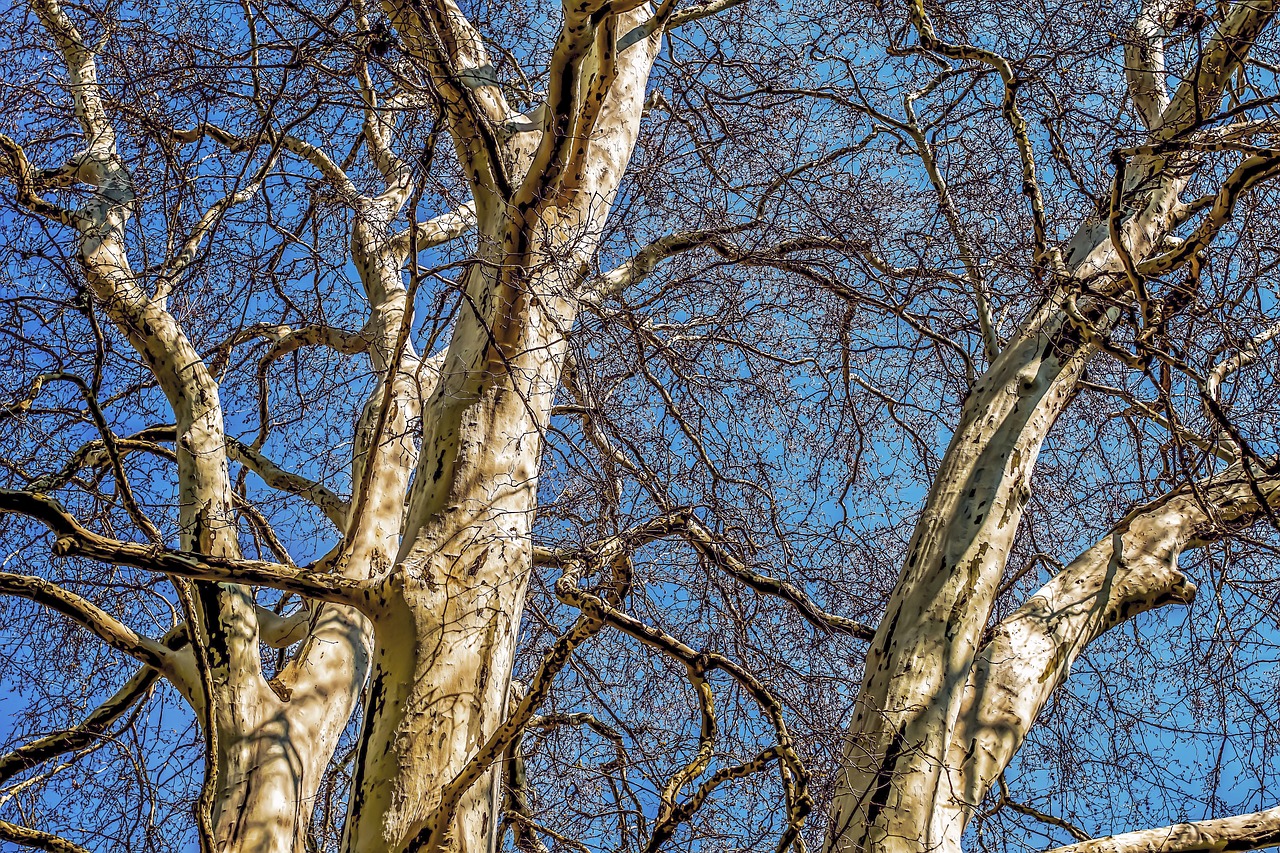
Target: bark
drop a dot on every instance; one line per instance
(920, 658)
(273, 741)
(937, 719)
(1240, 832)
(447, 618)
(897, 788)
(1131, 570)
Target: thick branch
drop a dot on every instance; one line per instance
(83, 72)
(331, 504)
(1255, 169)
(437, 230)
(26, 837)
(637, 268)
(1201, 90)
(1144, 59)
(73, 539)
(1241, 832)
(84, 734)
(88, 615)
(20, 171)
(280, 632)
(440, 38)
(1131, 570)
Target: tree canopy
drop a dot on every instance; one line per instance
(447, 425)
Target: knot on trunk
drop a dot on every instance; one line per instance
(65, 546)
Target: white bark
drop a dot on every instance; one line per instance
(273, 740)
(896, 788)
(447, 618)
(919, 660)
(937, 718)
(1131, 570)
(1239, 832)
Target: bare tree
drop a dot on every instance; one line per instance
(816, 339)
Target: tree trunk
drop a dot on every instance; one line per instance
(446, 624)
(920, 658)
(447, 618)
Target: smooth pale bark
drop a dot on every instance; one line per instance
(934, 716)
(1131, 570)
(895, 790)
(446, 620)
(273, 740)
(225, 614)
(1240, 832)
(919, 660)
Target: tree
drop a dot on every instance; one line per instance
(312, 307)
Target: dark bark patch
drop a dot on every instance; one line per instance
(377, 698)
(883, 781)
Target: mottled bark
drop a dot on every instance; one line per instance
(273, 741)
(447, 618)
(1223, 835)
(897, 790)
(1131, 570)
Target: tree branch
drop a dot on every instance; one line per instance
(684, 523)
(438, 35)
(1201, 89)
(91, 727)
(437, 230)
(19, 170)
(73, 539)
(333, 506)
(178, 264)
(1132, 569)
(1241, 832)
(89, 616)
(1009, 106)
(636, 269)
(1255, 169)
(16, 834)
(1144, 59)
(312, 154)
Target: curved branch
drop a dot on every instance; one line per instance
(640, 265)
(1132, 569)
(89, 616)
(177, 265)
(322, 162)
(1255, 169)
(19, 170)
(84, 734)
(437, 230)
(73, 539)
(26, 837)
(330, 503)
(684, 523)
(1245, 356)
(280, 632)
